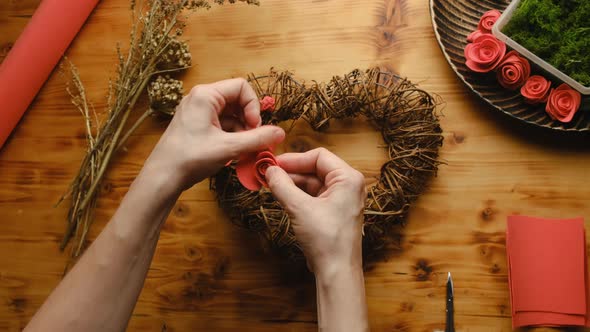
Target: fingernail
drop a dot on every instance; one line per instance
(269, 171)
(278, 134)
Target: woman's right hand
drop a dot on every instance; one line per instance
(325, 199)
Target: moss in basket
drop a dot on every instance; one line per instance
(557, 31)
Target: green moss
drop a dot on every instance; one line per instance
(558, 31)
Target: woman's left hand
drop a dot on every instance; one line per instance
(213, 124)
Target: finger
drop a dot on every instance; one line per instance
(317, 161)
(238, 91)
(308, 183)
(284, 190)
(253, 140)
(230, 124)
(233, 111)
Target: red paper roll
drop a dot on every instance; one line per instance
(34, 55)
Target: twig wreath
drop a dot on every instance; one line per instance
(403, 113)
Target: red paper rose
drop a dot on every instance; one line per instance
(487, 20)
(267, 103)
(563, 103)
(264, 160)
(536, 89)
(484, 54)
(474, 35)
(251, 169)
(513, 71)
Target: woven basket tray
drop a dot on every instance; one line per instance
(453, 20)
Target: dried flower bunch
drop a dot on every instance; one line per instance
(155, 52)
(403, 113)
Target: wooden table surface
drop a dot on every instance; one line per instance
(209, 275)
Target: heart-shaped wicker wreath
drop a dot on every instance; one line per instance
(404, 114)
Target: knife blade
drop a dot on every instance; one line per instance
(450, 310)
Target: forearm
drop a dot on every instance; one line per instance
(100, 292)
(341, 300)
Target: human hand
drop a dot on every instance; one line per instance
(325, 199)
(213, 124)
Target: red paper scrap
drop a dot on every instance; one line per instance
(34, 55)
(548, 276)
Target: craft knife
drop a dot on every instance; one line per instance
(450, 311)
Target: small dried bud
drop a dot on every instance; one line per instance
(196, 4)
(165, 94)
(170, 8)
(250, 2)
(176, 56)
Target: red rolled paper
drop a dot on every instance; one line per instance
(251, 169)
(34, 55)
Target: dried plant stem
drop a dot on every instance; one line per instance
(148, 40)
(134, 127)
(91, 161)
(109, 153)
(90, 194)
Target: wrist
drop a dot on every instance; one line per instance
(159, 179)
(328, 272)
(342, 300)
(343, 256)
(144, 209)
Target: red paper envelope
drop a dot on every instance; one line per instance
(35, 54)
(547, 271)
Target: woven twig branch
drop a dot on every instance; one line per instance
(403, 113)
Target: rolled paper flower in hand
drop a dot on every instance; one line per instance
(267, 103)
(563, 103)
(264, 160)
(485, 53)
(536, 89)
(251, 169)
(513, 71)
(487, 20)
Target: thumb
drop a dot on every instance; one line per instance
(255, 139)
(284, 189)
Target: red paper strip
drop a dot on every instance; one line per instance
(34, 55)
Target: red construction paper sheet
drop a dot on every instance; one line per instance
(549, 319)
(548, 276)
(34, 55)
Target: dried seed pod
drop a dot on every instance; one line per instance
(165, 93)
(176, 55)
